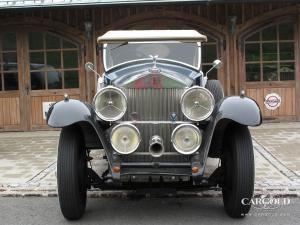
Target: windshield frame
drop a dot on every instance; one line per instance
(104, 50)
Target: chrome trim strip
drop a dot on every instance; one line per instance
(148, 154)
(154, 122)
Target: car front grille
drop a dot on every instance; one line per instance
(154, 106)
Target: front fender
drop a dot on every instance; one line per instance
(68, 112)
(242, 110)
(236, 109)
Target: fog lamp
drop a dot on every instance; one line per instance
(186, 138)
(125, 138)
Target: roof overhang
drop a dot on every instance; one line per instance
(121, 36)
(13, 4)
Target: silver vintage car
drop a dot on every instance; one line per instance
(157, 117)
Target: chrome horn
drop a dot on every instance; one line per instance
(156, 147)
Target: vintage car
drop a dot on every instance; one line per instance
(157, 118)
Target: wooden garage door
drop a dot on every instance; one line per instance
(270, 67)
(54, 69)
(9, 83)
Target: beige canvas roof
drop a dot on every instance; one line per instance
(151, 35)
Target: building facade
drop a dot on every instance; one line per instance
(43, 49)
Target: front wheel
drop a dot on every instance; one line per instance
(238, 165)
(71, 173)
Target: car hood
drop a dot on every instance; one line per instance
(150, 75)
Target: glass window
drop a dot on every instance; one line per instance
(11, 81)
(270, 54)
(71, 79)
(36, 40)
(54, 79)
(52, 42)
(209, 54)
(9, 41)
(269, 34)
(53, 60)
(37, 80)
(287, 71)
(287, 51)
(9, 77)
(286, 31)
(269, 51)
(70, 59)
(252, 52)
(252, 72)
(37, 58)
(270, 71)
(53, 65)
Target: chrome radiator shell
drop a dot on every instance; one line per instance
(152, 109)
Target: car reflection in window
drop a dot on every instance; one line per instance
(38, 77)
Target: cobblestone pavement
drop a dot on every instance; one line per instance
(28, 161)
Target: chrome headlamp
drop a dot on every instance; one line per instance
(110, 103)
(197, 103)
(125, 138)
(186, 139)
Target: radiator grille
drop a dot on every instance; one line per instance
(154, 105)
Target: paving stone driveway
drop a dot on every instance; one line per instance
(28, 160)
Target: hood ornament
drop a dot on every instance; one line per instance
(154, 69)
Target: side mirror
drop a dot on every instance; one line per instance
(216, 64)
(89, 67)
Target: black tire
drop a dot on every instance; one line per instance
(238, 164)
(215, 87)
(71, 173)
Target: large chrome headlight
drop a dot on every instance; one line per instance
(186, 138)
(125, 138)
(197, 103)
(110, 103)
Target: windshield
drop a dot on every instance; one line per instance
(118, 53)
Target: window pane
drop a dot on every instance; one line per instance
(53, 60)
(54, 80)
(254, 37)
(9, 41)
(35, 40)
(270, 71)
(252, 52)
(37, 80)
(11, 81)
(252, 72)
(10, 61)
(67, 44)
(52, 42)
(209, 53)
(269, 51)
(37, 58)
(286, 51)
(71, 79)
(286, 31)
(213, 74)
(70, 59)
(287, 71)
(269, 34)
